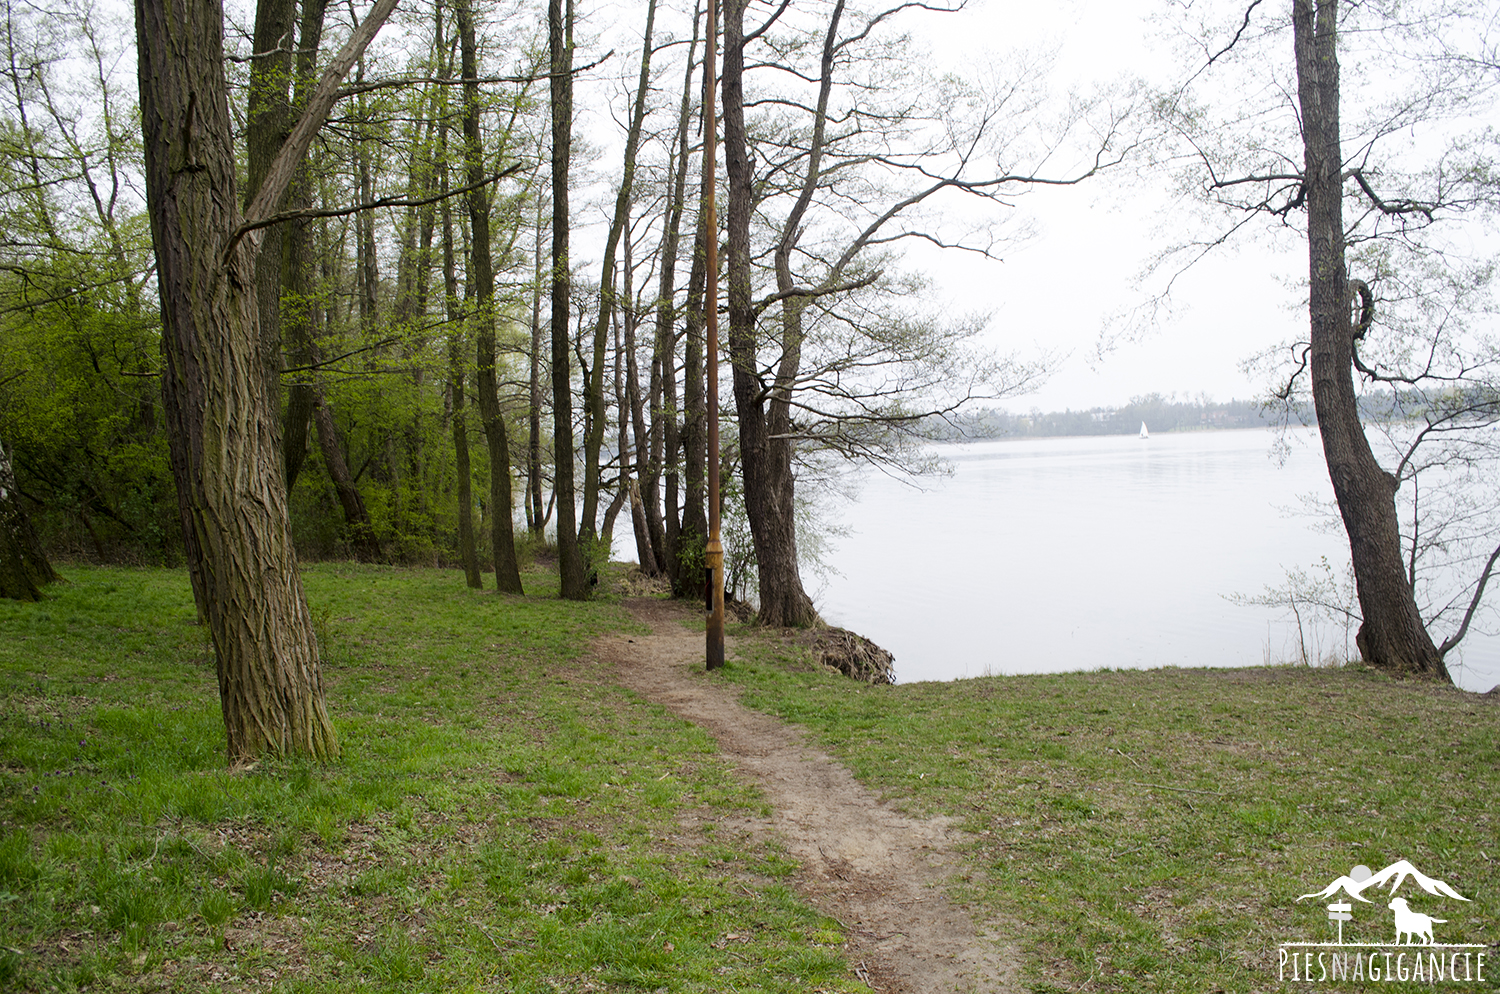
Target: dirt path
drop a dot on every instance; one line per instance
(874, 869)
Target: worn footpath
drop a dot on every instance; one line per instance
(875, 870)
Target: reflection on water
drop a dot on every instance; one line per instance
(1044, 555)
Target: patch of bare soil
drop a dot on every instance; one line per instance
(877, 871)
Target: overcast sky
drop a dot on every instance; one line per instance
(1068, 289)
(1064, 290)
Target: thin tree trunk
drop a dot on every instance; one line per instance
(361, 534)
(632, 441)
(467, 552)
(461, 465)
(594, 389)
(665, 458)
(300, 318)
(569, 557)
(687, 551)
(536, 518)
(503, 541)
(1392, 635)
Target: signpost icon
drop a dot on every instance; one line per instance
(1339, 912)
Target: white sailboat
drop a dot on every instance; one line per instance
(1144, 432)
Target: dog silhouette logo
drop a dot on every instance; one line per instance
(1413, 954)
(1413, 923)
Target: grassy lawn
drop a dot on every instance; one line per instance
(1151, 831)
(507, 818)
(504, 817)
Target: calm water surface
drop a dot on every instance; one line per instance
(1045, 555)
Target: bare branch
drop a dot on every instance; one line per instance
(370, 205)
(1463, 628)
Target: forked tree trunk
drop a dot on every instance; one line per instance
(220, 397)
(765, 450)
(1392, 635)
(593, 443)
(24, 568)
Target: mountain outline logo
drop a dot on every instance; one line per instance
(1412, 953)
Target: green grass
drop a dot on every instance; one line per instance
(1151, 831)
(504, 817)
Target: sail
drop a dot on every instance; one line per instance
(1144, 432)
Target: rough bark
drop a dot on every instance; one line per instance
(574, 583)
(1392, 635)
(220, 403)
(765, 450)
(24, 568)
(482, 277)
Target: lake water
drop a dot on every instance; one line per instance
(1046, 555)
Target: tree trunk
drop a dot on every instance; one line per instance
(594, 389)
(298, 319)
(24, 568)
(687, 550)
(467, 553)
(765, 451)
(219, 394)
(1392, 635)
(632, 435)
(482, 278)
(361, 533)
(536, 518)
(664, 440)
(461, 467)
(268, 120)
(575, 585)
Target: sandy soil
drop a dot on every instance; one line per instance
(875, 870)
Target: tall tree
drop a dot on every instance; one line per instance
(575, 585)
(482, 276)
(219, 393)
(830, 357)
(1392, 634)
(1394, 343)
(594, 390)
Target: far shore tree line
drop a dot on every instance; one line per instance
(1159, 413)
(308, 287)
(1378, 409)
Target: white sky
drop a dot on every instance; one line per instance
(1078, 277)
(1062, 290)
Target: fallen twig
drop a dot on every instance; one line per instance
(1185, 790)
